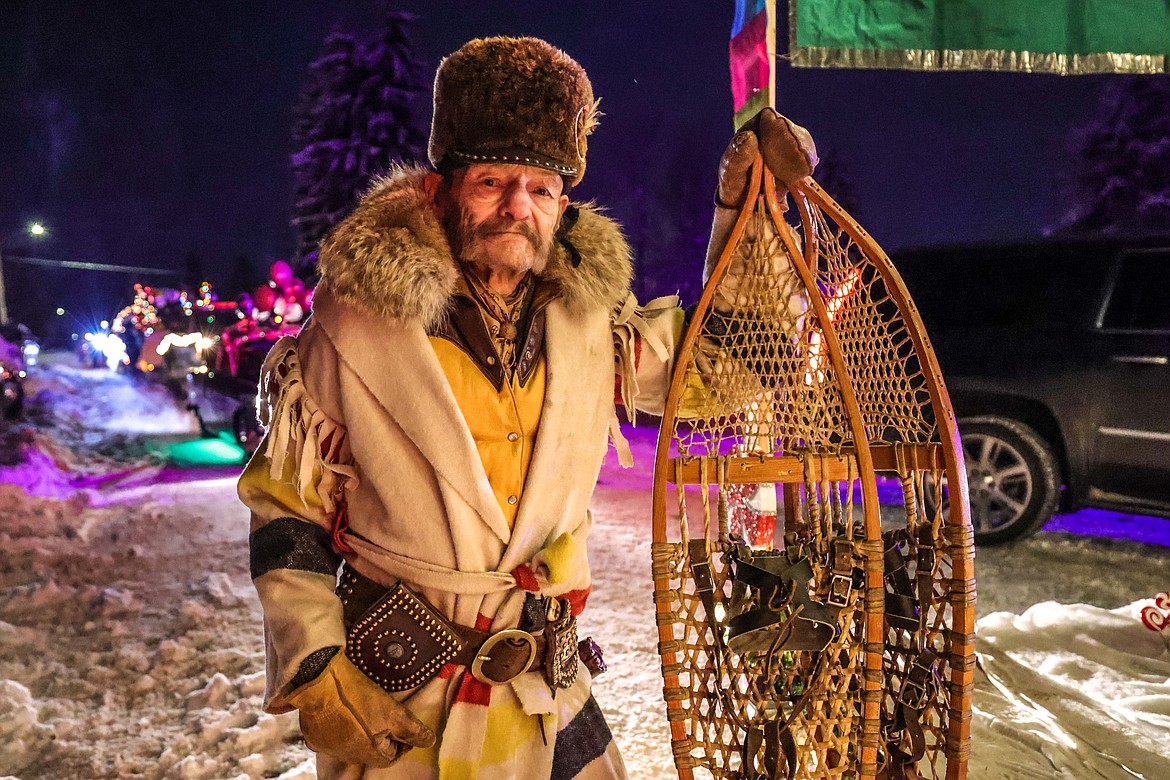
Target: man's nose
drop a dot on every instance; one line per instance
(517, 202)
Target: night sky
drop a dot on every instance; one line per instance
(144, 132)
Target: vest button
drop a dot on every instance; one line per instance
(513, 436)
(491, 361)
(512, 500)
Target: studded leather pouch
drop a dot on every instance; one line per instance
(401, 641)
(560, 663)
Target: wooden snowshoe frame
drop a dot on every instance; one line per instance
(806, 367)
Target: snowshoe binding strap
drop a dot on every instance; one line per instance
(901, 600)
(701, 573)
(774, 737)
(905, 738)
(785, 615)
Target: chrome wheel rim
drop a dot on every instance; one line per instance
(999, 482)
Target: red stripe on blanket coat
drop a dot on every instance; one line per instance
(340, 517)
(472, 691)
(525, 579)
(577, 599)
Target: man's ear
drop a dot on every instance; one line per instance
(564, 204)
(431, 184)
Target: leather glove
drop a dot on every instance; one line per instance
(789, 153)
(344, 714)
(733, 170)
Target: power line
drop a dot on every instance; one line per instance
(84, 266)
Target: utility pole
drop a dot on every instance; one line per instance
(3, 292)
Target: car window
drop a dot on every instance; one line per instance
(1141, 293)
(1001, 288)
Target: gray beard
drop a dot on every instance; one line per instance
(468, 244)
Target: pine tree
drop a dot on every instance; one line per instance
(835, 178)
(358, 113)
(1122, 169)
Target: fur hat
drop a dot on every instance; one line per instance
(512, 100)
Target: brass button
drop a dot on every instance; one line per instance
(513, 436)
(491, 361)
(512, 500)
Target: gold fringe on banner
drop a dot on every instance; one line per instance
(970, 59)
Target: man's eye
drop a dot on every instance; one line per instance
(488, 182)
(543, 192)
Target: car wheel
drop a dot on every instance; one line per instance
(11, 398)
(246, 428)
(1013, 478)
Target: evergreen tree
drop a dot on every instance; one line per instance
(1121, 178)
(357, 113)
(835, 178)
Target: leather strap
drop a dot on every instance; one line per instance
(784, 597)
(907, 608)
(924, 573)
(901, 606)
(704, 579)
(776, 736)
(507, 658)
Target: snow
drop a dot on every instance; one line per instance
(130, 637)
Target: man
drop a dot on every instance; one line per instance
(439, 426)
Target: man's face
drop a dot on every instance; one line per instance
(503, 216)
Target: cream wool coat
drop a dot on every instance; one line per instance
(358, 408)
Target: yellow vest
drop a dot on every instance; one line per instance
(502, 423)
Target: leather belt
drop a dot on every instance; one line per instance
(502, 656)
(492, 657)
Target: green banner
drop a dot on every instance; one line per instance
(1044, 36)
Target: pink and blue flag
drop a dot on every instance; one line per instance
(752, 50)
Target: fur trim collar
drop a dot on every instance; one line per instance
(391, 255)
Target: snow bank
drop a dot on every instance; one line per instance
(112, 402)
(131, 645)
(21, 732)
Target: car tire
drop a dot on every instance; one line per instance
(247, 428)
(1013, 478)
(11, 398)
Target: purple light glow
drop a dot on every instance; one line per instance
(1112, 525)
(1085, 522)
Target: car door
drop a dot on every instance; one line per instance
(1131, 453)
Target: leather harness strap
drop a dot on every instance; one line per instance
(906, 609)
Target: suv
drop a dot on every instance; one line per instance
(1057, 359)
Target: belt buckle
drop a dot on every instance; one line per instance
(913, 693)
(483, 655)
(840, 589)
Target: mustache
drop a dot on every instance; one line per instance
(496, 225)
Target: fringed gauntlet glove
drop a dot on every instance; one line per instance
(344, 714)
